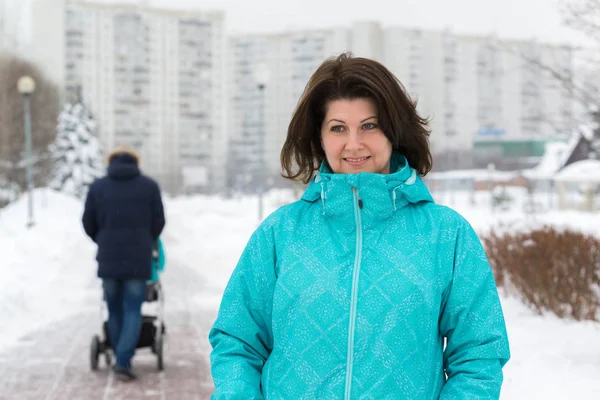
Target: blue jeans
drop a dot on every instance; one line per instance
(124, 299)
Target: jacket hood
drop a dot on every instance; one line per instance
(120, 151)
(123, 167)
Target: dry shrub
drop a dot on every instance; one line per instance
(550, 269)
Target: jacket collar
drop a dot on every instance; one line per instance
(381, 194)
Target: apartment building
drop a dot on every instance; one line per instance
(11, 16)
(154, 79)
(472, 88)
(258, 118)
(480, 88)
(521, 103)
(171, 84)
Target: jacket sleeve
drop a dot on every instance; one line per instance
(158, 213)
(89, 220)
(473, 324)
(241, 336)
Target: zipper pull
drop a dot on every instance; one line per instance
(360, 202)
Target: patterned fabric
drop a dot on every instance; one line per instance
(330, 300)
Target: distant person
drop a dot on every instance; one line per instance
(124, 215)
(364, 288)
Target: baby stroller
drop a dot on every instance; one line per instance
(152, 333)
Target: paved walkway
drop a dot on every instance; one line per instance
(53, 364)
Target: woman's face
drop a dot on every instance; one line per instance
(352, 139)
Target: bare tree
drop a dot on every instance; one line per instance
(583, 16)
(45, 103)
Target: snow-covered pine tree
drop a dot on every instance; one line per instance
(76, 153)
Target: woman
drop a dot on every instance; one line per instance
(364, 288)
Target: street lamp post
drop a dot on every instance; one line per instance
(26, 86)
(491, 169)
(261, 77)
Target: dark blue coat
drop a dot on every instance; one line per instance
(124, 215)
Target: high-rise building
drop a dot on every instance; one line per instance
(470, 87)
(478, 88)
(154, 79)
(259, 118)
(171, 84)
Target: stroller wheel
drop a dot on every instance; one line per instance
(108, 358)
(94, 352)
(158, 346)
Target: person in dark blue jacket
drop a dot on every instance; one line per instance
(124, 216)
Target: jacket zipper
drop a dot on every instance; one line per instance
(354, 295)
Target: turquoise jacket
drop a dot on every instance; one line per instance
(158, 265)
(351, 292)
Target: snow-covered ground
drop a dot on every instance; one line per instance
(48, 273)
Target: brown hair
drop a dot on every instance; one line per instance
(348, 77)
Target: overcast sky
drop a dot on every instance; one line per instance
(524, 19)
(508, 18)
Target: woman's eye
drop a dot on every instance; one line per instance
(337, 128)
(369, 126)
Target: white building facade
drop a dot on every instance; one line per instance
(155, 78)
(259, 119)
(470, 87)
(479, 88)
(172, 85)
